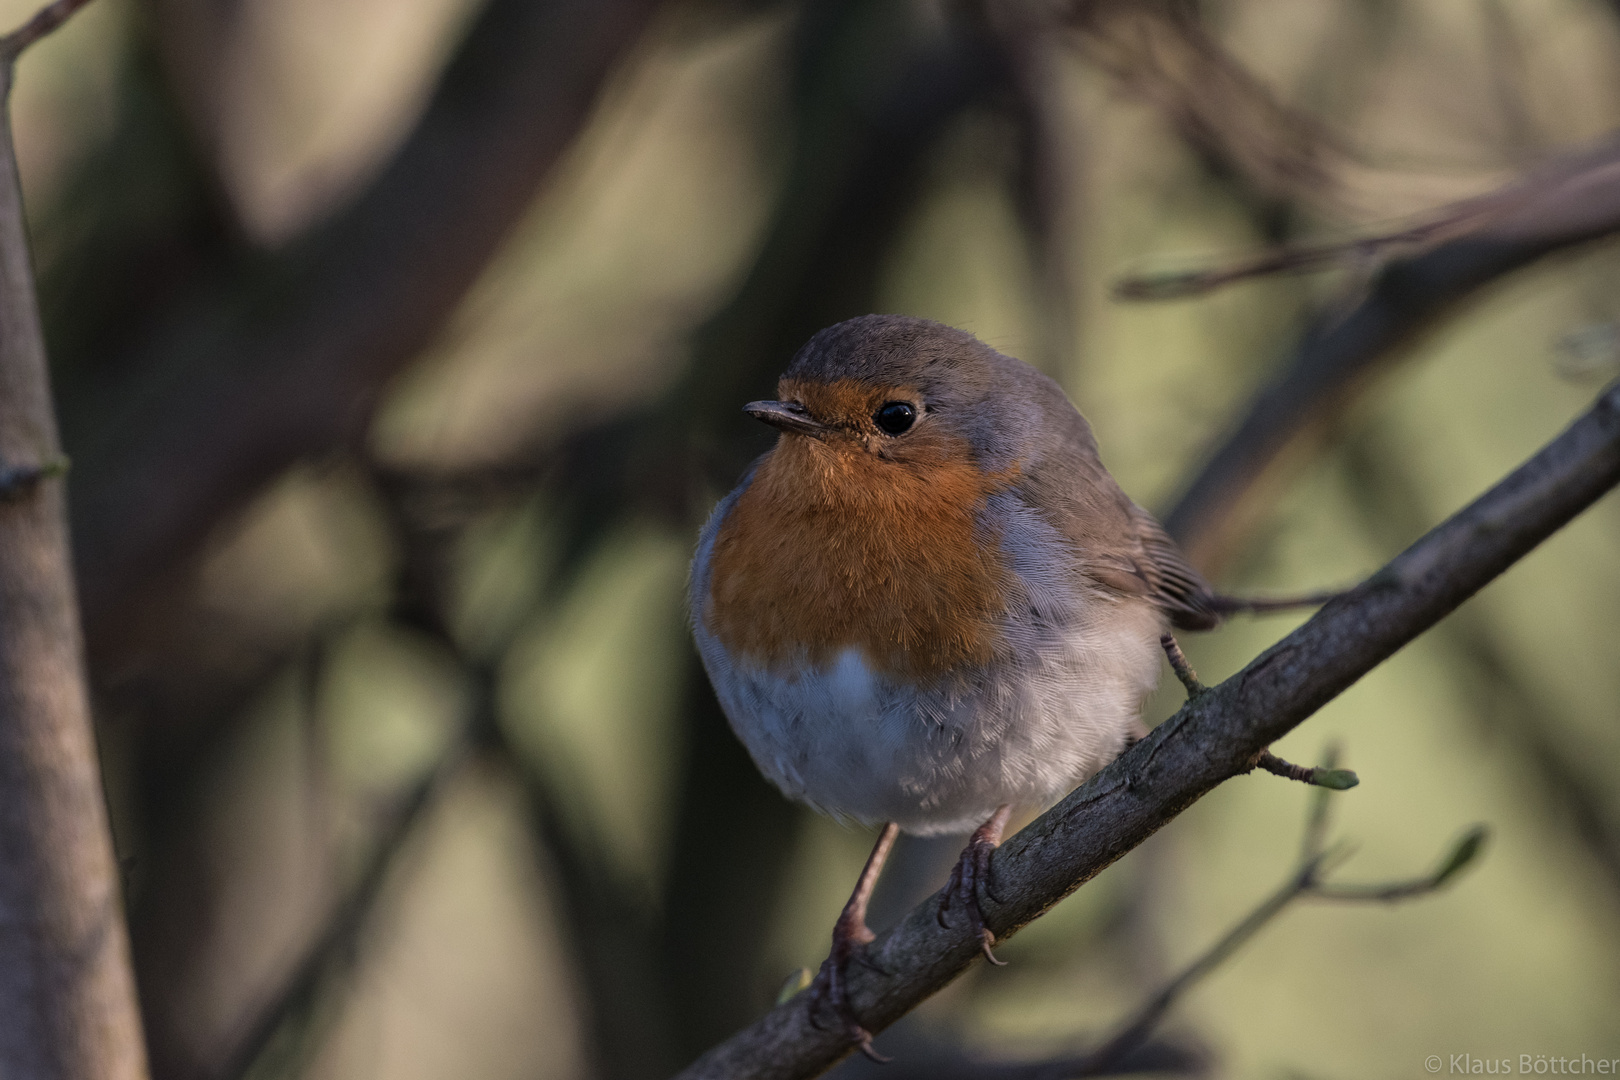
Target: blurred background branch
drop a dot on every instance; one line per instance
(1316, 859)
(314, 330)
(1571, 203)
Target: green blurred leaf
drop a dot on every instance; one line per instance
(1467, 849)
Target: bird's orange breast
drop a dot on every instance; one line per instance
(832, 547)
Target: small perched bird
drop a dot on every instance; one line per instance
(929, 604)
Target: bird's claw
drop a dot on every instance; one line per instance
(830, 992)
(971, 872)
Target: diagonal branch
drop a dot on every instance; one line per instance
(1214, 737)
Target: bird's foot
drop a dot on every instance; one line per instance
(970, 871)
(830, 991)
(851, 936)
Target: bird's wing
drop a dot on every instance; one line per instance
(1119, 545)
(1177, 588)
(1147, 563)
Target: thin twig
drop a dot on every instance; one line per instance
(1213, 737)
(1181, 284)
(1179, 665)
(1462, 853)
(1335, 779)
(44, 22)
(1136, 1030)
(1305, 881)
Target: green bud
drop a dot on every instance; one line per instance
(1336, 779)
(795, 983)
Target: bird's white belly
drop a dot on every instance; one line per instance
(938, 759)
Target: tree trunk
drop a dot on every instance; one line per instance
(67, 996)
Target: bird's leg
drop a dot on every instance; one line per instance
(850, 933)
(972, 869)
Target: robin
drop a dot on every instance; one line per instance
(929, 605)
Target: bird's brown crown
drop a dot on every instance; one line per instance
(860, 539)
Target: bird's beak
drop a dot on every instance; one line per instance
(786, 416)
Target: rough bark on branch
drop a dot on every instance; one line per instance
(1213, 738)
(67, 997)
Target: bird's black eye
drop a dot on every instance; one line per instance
(895, 417)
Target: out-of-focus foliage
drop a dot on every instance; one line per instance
(600, 886)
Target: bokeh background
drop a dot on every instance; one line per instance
(399, 346)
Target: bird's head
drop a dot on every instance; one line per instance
(902, 390)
